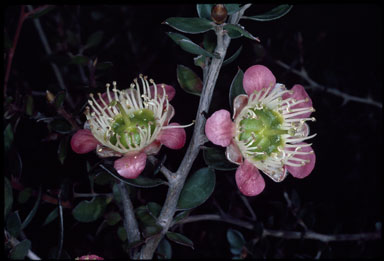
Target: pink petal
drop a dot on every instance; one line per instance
(248, 179)
(131, 166)
(169, 90)
(219, 128)
(152, 148)
(303, 171)
(83, 141)
(256, 78)
(173, 138)
(239, 103)
(233, 153)
(299, 93)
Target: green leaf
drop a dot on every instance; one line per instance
(154, 209)
(104, 66)
(192, 25)
(164, 249)
(59, 99)
(62, 149)
(188, 80)
(273, 14)
(144, 216)
(29, 105)
(187, 45)
(234, 30)
(236, 87)
(140, 181)
(89, 211)
(180, 216)
(80, 60)
(13, 224)
(8, 197)
(51, 216)
(180, 239)
(102, 178)
(233, 57)
(42, 12)
(122, 234)
(236, 240)
(215, 158)
(150, 231)
(94, 39)
(8, 137)
(197, 189)
(20, 250)
(204, 10)
(61, 126)
(232, 8)
(24, 195)
(209, 41)
(31, 214)
(113, 218)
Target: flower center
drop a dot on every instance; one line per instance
(260, 132)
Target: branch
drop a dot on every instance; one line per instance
(167, 173)
(314, 85)
(177, 183)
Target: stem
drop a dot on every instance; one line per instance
(13, 241)
(198, 139)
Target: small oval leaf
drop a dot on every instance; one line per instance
(235, 238)
(164, 250)
(51, 216)
(8, 137)
(273, 14)
(197, 189)
(191, 25)
(234, 30)
(232, 8)
(180, 239)
(13, 224)
(113, 218)
(204, 10)
(215, 158)
(188, 80)
(187, 45)
(89, 211)
(233, 57)
(236, 87)
(20, 250)
(61, 126)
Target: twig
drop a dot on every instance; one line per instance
(91, 195)
(59, 251)
(167, 173)
(293, 211)
(13, 241)
(314, 85)
(176, 184)
(246, 203)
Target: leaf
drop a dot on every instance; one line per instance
(121, 233)
(13, 224)
(62, 149)
(94, 39)
(59, 99)
(89, 211)
(102, 178)
(204, 10)
(150, 231)
(51, 216)
(164, 249)
(273, 14)
(32, 213)
(140, 181)
(104, 66)
(42, 12)
(180, 239)
(8, 197)
(113, 218)
(187, 45)
(236, 241)
(8, 137)
(188, 80)
(197, 189)
(61, 126)
(215, 158)
(24, 195)
(29, 105)
(144, 216)
(180, 216)
(232, 8)
(233, 57)
(236, 87)
(20, 250)
(234, 30)
(209, 41)
(154, 209)
(80, 60)
(192, 25)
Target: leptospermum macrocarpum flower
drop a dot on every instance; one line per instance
(267, 133)
(130, 124)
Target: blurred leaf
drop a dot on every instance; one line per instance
(144, 216)
(24, 195)
(32, 213)
(61, 126)
(197, 189)
(233, 31)
(149, 231)
(62, 149)
(273, 14)
(199, 61)
(164, 249)
(89, 211)
(209, 41)
(42, 12)
(29, 105)
(188, 80)
(94, 39)
(233, 57)
(215, 158)
(113, 218)
(232, 8)
(13, 224)
(187, 45)
(204, 10)
(104, 66)
(80, 60)
(20, 250)
(102, 178)
(121, 233)
(140, 181)
(236, 241)
(180, 216)
(154, 209)
(8, 137)
(180, 239)
(191, 25)
(51, 216)
(59, 99)
(8, 197)
(236, 87)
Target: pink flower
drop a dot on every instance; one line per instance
(267, 131)
(89, 257)
(130, 124)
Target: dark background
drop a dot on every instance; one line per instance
(341, 49)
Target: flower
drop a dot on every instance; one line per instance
(89, 257)
(130, 124)
(267, 133)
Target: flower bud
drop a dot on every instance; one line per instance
(219, 14)
(50, 97)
